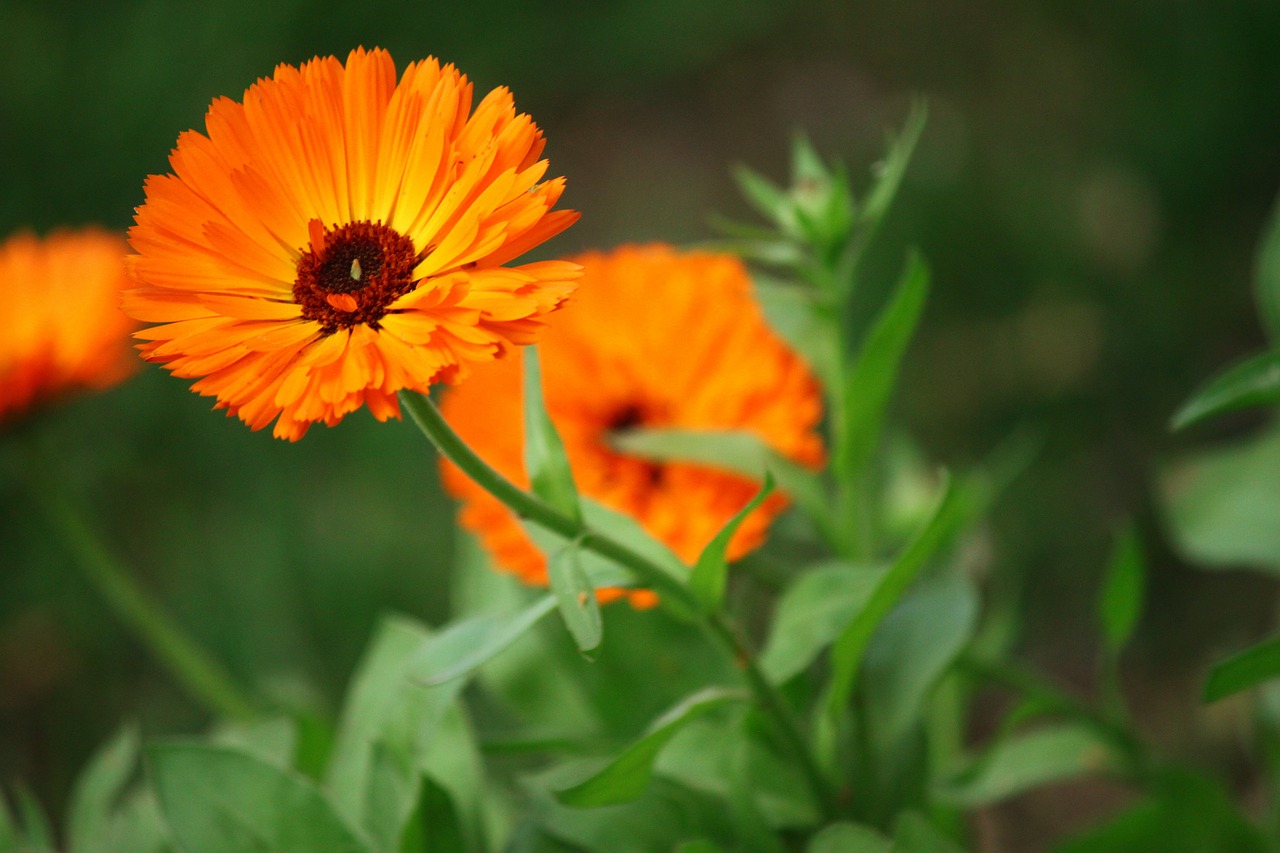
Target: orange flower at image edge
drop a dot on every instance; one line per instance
(63, 325)
(654, 338)
(340, 236)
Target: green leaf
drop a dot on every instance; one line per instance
(545, 461)
(1267, 275)
(1253, 382)
(1243, 670)
(362, 779)
(138, 827)
(733, 450)
(768, 199)
(37, 831)
(812, 613)
(848, 651)
(1222, 506)
(219, 799)
(1021, 762)
(711, 571)
(464, 646)
(1120, 601)
(575, 597)
(699, 845)
(626, 776)
(9, 834)
(793, 312)
(892, 168)
(848, 838)
(911, 651)
(1187, 813)
(915, 834)
(97, 790)
(872, 377)
(274, 739)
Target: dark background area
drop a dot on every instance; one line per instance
(1089, 191)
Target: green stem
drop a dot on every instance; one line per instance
(432, 423)
(200, 675)
(1034, 686)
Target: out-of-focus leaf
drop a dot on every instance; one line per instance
(914, 646)
(892, 168)
(717, 759)
(387, 721)
(1120, 600)
(37, 831)
(1243, 670)
(793, 312)
(1223, 507)
(215, 798)
(1267, 275)
(450, 761)
(137, 827)
(625, 777)
(732, 450)
(710, 572)
(812, 612)
(769, 200)
(1188, 813)
(1021, 762)
(9, 835)
(849, 838)
(1253, 382)
(462, 647)
(274, 740)
(915, 834)
(699, 845)
(575, 597)
(97, 790)
(847, 654)
(545, 461)
(871, 378)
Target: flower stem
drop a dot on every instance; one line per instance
(432, 423)
(201, 676)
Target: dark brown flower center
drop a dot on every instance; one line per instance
(350, 274)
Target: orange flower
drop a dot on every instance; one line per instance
(654, 338)
(340, 236)
(63, 325)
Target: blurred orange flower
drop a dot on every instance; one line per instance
(654, 338)
(63, 325)
(340, 235)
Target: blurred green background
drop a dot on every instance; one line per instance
(1089, 191)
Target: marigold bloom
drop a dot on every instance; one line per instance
(654, 338)
(340, 235)
(63, 325)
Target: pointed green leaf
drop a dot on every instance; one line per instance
(893, 167)
(1221, 505)
(872, 377)
(846, 656)
(37, 831)
(1243, 670)
(734, 450)
(711, 571)
(215, 798)
(1021, 762)
(911, 651)
(1120, 601)
(812, 613)
(464, 646)
(575, 597)
(794, 313)
(916, 834)
(626, 776)
(849, 838)
(97, 790)
(1253, 382)
(768, 199)
(1267, 275)
(545, 461)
